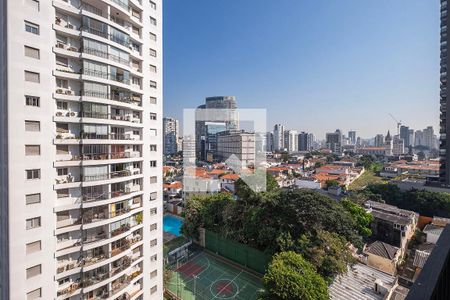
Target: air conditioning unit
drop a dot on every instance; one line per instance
(60, 45)
(59, 91)
(70, 26)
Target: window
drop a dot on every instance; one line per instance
(153, 258)
(32, 126)
(33, 223)
(32, 198)
(153, 179)
(31, 27)
(62, 149)
(153, 274)
(152, 52)
(61, 105)
(152, 21)
(32, 77)
(153, 84)
(153, 226)
(153, 69)
(36, 294)
(153, 211)
(31, 52)
(32, 101)
(35, 5)
(152, 36)
(32, 150)
(153, 289)
(135, 132)
(33, 174)
(153, 5)
(153, 116)
(152, 100)
(153, 163)
(62, 83)
(33, 271)
(33, 247)
(153, 243)
(153, 196)
(153, 132)
(152, 147)
(62, 171)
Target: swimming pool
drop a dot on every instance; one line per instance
(172, 224)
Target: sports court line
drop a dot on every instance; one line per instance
(232, 281)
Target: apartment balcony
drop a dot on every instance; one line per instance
(69, 288)
(105, 55)
(123, 99)
(70, 138)
(111, 175)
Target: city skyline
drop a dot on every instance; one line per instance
(401, 54)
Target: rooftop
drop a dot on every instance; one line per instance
(382, 249)
(358, 284)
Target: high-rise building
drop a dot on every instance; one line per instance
(444, 148)
(419, 139)
(379, 140)
(227, 103)
(398, 146)
(404, 134)
(411, 137)
(278, 137)
(171, 136)
(305, 141)
(428, 136)
(334, 141)
(81, 157)
(269, 142)
(291, 140)
(352, 137)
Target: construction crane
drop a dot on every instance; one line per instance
(399, 123)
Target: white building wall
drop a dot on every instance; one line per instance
(18, 186)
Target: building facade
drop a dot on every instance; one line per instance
(305, 141)
(334, 141)
(238, 143)
(352, 137)
(82, 149)
(291, 140)
(278, 137)
(171, 136)
(227, 103)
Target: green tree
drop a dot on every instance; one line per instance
(331, 183)
(361, 217)
(289, 276)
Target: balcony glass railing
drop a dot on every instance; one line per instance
(106, 55)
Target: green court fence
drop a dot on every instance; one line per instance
(239, 253)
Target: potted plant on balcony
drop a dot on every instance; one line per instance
(139, 218)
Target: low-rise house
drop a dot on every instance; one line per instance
(172, 189)
(228, 182)
(362, 282)
(382, 256)
(433, 232)
(391, 224)
(308, 183)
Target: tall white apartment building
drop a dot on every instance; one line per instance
(291, 140)
(81, 151)
(278, 137)
(171, 136)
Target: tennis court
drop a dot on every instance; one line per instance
(206, 277)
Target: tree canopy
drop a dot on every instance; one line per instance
(290, 277)
(424, 202)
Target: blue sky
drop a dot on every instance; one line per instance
(315, 65)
